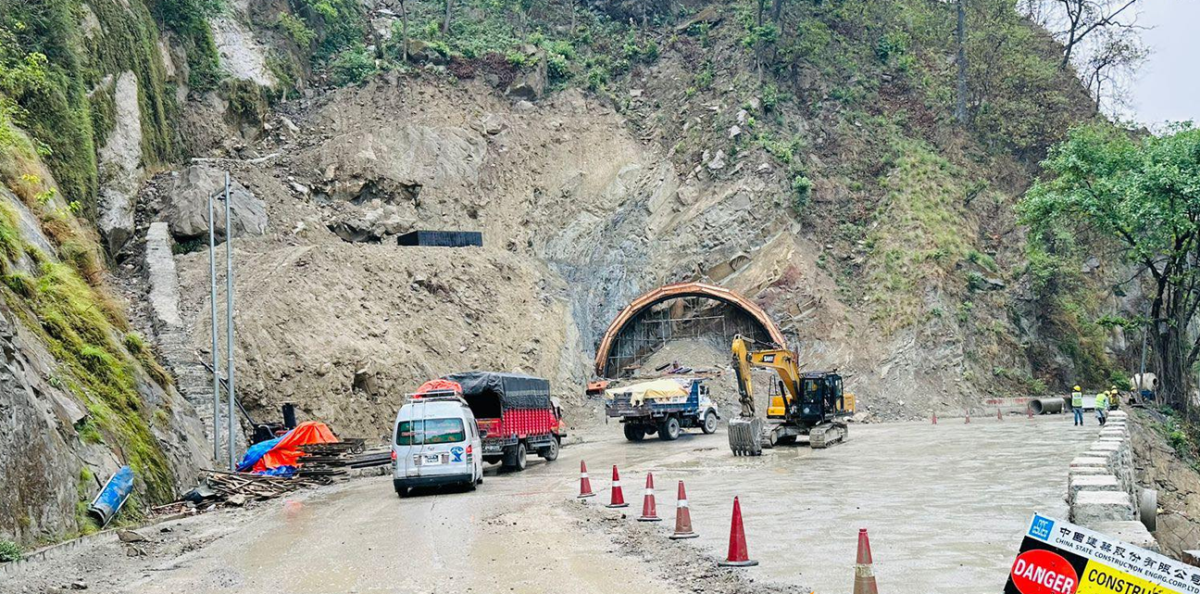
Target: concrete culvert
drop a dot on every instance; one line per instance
(1046, 406)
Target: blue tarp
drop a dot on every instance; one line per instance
(256, 452)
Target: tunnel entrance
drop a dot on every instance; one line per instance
(697, 313)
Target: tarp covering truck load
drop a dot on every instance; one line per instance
(515, 414)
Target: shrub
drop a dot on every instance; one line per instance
(9, 551)
(801, 192)
(352, 66)
(296, 30)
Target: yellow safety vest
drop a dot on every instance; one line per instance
(1077, 399)
(1102, 401)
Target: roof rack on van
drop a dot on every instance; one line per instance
(439, 396)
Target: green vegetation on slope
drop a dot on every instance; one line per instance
(56, 82)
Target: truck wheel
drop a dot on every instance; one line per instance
(669, 429)
(521, 457)
(550, 452)
(710, 423)
(403, 492)
(634, 433)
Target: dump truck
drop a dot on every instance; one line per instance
(665, 406)
(515, 414)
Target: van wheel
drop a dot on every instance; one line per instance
(710, 423)
(550, 452)
(403, 492)
(669, 429)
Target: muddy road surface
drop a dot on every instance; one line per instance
(945, 506)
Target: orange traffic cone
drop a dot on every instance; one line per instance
(935, 418)
(585, 484)
(649, 509)
(864, 574)
(618, 496)
(738, 555)
(999, 415)
(683, 517)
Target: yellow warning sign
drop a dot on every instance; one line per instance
(1098, 578)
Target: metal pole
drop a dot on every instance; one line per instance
(216, 357)
(1142, 371)
(230, 393)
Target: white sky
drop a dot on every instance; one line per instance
(1168, 86)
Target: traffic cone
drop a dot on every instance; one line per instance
(738, 555)
(649, 509)
(864, 574)
(999, 415)
(585, 484)
(935, 418)
(618, 496)
(683, 517)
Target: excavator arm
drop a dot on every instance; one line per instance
(782, 361)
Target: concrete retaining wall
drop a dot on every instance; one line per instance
(1102, 490)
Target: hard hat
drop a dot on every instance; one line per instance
(1077, 389)
(1113, 388)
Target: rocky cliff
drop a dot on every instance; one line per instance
(805, 156)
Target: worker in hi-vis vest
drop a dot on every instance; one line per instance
(1077, 406)
(1102, 407)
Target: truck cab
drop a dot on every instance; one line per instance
(436, 442)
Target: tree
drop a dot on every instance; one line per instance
(1110, 67)
(1144, 195)
(960, 37)
(1084, 17)
(446, 20)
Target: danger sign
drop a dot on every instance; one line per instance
(1061, 558)
(1044, 572)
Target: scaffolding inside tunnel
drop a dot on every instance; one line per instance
(685, 318)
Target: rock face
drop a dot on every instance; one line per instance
(121, 165)
(186, 209)
(396, 162)
(242, 56)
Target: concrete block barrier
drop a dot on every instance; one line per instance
(1094, 482)
(1132, 532)
(1093, 507)
(1089, 461)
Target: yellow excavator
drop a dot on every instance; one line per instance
(803, 403)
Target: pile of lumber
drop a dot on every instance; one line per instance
(330, 460)
(239, 487)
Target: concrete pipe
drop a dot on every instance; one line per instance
(1046, 406)
(1148, 509)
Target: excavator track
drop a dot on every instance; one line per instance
(746, 436)
(827, 434)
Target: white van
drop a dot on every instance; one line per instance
(435, 442)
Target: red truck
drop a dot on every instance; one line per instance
(515, 414)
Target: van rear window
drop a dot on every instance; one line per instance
(426, 431)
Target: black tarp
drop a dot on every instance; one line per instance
(451, 239)
(513, 390)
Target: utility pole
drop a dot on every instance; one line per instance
(960, 107)
(230, 393)
(216, 357)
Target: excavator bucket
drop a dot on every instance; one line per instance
(745, 436)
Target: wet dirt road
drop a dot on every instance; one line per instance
(945, 506)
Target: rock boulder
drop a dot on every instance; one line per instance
(186, 210)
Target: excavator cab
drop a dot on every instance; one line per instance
(820, 397)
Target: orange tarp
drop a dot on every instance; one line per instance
(439, 385)
(287, 452)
